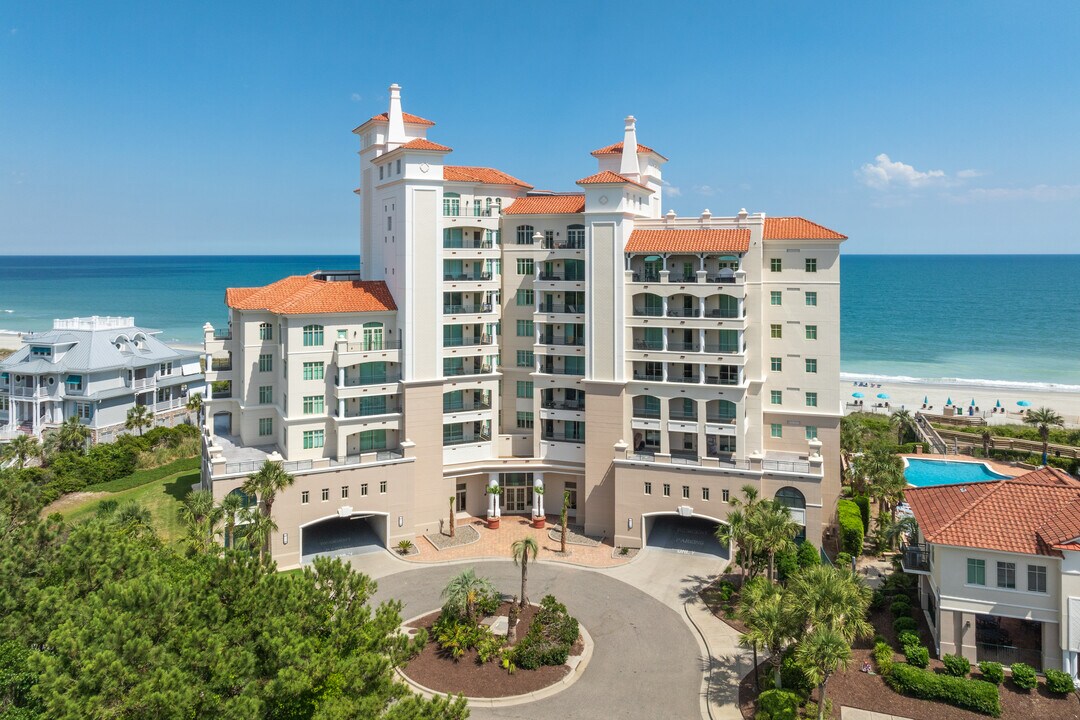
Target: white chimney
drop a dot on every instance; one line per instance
(395, 135)
(629, 165)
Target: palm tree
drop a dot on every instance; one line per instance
(901, 420)
(22, 448)
(138, 417)
(71, 436)
(887, 482)
(453, 502)
(134, 519)
(231, 507)
(834, 598)
(904, 527)
(820, 654)
(769, 623)
(737, 531)
(195, 405)
(1044, 418)
(464, 591)
(773, 530)
(562, 521)
(986, 437)
(260, 528)
(733, 534)
(264, 485)
(200, 516)
(521, 551)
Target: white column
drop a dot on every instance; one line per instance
(701, 340)
(538, 499)
(341, 375)
(341, 408)
(493, 500)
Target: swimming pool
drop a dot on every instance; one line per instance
(922, 473)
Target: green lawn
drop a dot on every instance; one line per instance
(161, 497)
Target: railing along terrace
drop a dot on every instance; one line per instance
(648, 344)
(468, 244)
(373, 345)
(800, 466)
(372, 380)
(646, 414)
(467, 342)
(461, 309)
(565, 309)
(477, 276)
(223, 333)
(463, 406)
(552, 370)
(561, 340)
(561, 405)
(563, 437)
(562, 244)
(465, 211)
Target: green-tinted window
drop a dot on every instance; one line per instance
(313, 335)
(524, 388)
(811, 299)
(811, 332)
(372, 440)
(314, 370)
(976, 572)
(266, 394)
(777, 397)
(266, 331)
(811, 399)
(776, 331)
(776, 430)
(313, 439)
(811, 265)
(373, 405)
(811, 432)
(776, 297)
(524, 328)
(776, 364)
(525, 266)
(811, 365)
(266, 427)
(776, 264)
(524, 298)
(524, 420)
(314, 404)
(266, 363)
(525, 358)
(524, 235)
(575, 365)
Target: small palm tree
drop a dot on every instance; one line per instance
(453, 502)
(901, 420)
(22, 448)
(562, 521)
(905, 527)
(773, 530)
(732, 534)
(232, 505)
(1044, 418)
(138, 418)
(133, 519)
(265, 484)
(71, 436)
(464, 591)
(830, 597)
(521, 551)
(260, 528)
(199, 516)
(769, 622)
(195, 405)
(820, 654)
(986, 437)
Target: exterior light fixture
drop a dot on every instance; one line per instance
(629, 523)
(400, 520)
(284, 538)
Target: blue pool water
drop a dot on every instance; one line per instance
(922, 473)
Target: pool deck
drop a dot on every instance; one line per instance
(1000, 468)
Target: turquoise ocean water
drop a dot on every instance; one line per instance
(940, 317)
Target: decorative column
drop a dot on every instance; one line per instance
(538, 497)
(494, 511)
(341, 376)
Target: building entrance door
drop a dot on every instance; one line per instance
(516, 499)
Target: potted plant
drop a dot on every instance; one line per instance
(538, 520)
(493, 520)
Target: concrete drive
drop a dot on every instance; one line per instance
(847, 713)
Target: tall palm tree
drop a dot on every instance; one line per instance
(71, 436)
(195, 405)
(820, 654)
(773, 530)
(453, 502)
(231, 507)
(887, 481)
(901, 420)
(904, 527)
(258, 531)
(264, 485)
(199, 516)
(1044, 418)
(464, 591)
(563, 521)
(521, 551)
(769, 622)
(737, 531)
(138, 418)
(986, 437)
(22, 448)
(834, 598)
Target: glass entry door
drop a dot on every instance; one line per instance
(516, 499)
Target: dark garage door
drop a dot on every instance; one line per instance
(342, 536)
(672, 533)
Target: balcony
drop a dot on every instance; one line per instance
(223, 333)
(468, 370)
(574, 405)
(646, 414)
(648, 377)
(683, 415)
(561, 309)
(25, 392)
(721, 348)
(915, 559)
(684, 312)
(722, 419)
(553, 370)
(572, 341)
(466, 406)
(722, 380)
(467, 309)
(469, 244)
(562, 244)
(140, 384)
(371, 411)
(555, 436)
(648, 312)
(357, 381)
(481, 438)
(648, 344)
(468, 342)
(683, 347)
(560, 277)
(646, 277)
(465, 211)
(467, 277)
(221, 364)
(372, 345)
(793, 466)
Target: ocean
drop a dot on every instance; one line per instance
(944, 318)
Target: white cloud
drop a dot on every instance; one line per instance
(1035, 193)
(671, 190)
(970, 174)
(706, 190)
(356, 97)
(885, 174)
(13, 31)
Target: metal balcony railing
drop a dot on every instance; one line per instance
(646, 277)
(684, 312)
(555, 436)
(482, 437)
(552, 370)
(680, 415)
(722, 380)
(646, 414)
(223, 333)
(682, 278)
(573, 341)
(648, 344)
(723, 419)
(467, 309)
(372, 379)
(565, 309)
(721, 348)
(465, 277)
(561, 276)
(466, 406)
(683, 347)
(722, 314)
(653, 377)
(221, 365)
(467, 370)
(468, 342)
(649, 312)
(800, 466)
(915, 558)
(563, 244)
(562, 405)
(465, 211)
(371, 410)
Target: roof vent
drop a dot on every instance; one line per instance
(670, 217)
(706, 216)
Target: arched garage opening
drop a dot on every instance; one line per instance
(687, 534)
(222, 423)
(343, 534)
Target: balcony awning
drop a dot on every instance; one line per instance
(74, 380)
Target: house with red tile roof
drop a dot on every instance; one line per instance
(998, 564)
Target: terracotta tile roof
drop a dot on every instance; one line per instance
(422, 144)
(385, 117)
(565, 204)
(1035, 514)
(727, 240)
(607, 177)
(797, 228)
(487, 176)
(303, 295)
(616, 149)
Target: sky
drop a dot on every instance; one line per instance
(225, 128)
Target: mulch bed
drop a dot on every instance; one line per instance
(725, 612)
(437, 671)
(574, 538)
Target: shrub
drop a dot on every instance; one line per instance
(901, 607)
(908, 638)
(883, 657)
(550, 637)
(899, 583)
(843, 560)
(1023, 676)
(877, 599)
(793, 677)
(992, 672)
(864, 511)
(808, 555)
(905, 623)
(812, 709)
(917, 655)
(777, 705)
(787, 564)
(851, 527)
(963, 693)
(1059, 682)
(956, 665)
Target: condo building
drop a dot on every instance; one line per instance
(539, 343)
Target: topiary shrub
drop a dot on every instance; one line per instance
(1059, 682)
(851, 527)
(963, 693)
(917, 655)
(793, 677)
(808, 555)
(901, 607)
(843, 560)
(864, 511)
(883, 657)
(901, 624)
(777, 705)
(956, 665)
(908, 638)
(787, 564)
(1023, 676)
(992, 672)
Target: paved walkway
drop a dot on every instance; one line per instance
(849, 713)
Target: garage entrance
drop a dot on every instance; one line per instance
(338, 536)
(685, 535)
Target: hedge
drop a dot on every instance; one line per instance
(993, 672)
(851, 527)
(956, 665)
(883, 657)
(777, 705)
(917, 655)
(142, 477)
(901, 607)
(1059, 682)
(864, 511)
(976, 695)
(1023, 676)
(901, 624)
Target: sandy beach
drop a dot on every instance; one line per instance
(10, 340)
(909, 394)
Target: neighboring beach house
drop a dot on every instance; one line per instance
(999, 568)
(95, 368)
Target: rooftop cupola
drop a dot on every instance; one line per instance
(628, 167)
(395, 134)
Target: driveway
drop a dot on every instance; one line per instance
(685, 535)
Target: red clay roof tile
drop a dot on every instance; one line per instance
(385, 117)
(797, 228)
(609, 178)
(724, 240)
(304, 295)
(616, 149)
(563, 204)
(422, 144)
(486, 176)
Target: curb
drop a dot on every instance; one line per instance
(706, 681)
(576, 671)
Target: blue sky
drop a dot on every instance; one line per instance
(176, 128)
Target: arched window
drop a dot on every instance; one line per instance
(524, 234)
(728, 306)
(249, 501)
(373, 336)
(266, 331)
(451, 204)
(313, 335)
(725, 409)
(648, 304)
(647, 406)
(575, 237)
(791, 497)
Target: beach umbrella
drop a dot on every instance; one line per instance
(925, 399)
(972, 402)
(1022, 403)
(949, 401)
(883, 396)
(998, 403)
(857, 395)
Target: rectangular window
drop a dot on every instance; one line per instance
(266, 331)
(363, 489)
(686, 492)
(314, 404)
(314, 371)
(524, 388)
(266, 362)
(776, 297)
(524, 420)
(1037, 578)
(266, 394)
(325, 494)
(811, 365)
(704, 493)
(811, 265)
(776, 264)
(344, 492)
(525, 358)
(776, 331)
(976, 572)
(382, 487)
(811, 332)
(313, 439)
(524, 298)
(1006, 575)
(372, 440)
(725, 495)
(83, 410)
(811, 432)
(266, 427)
(524, 328)
(776, 397)
(811, 399)
(776, 364)
(667, 489)
(525, 266)
(305, 497)
(648, 488)
(313, 335)
(776, 430)
(811, 299)
(165, 368)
